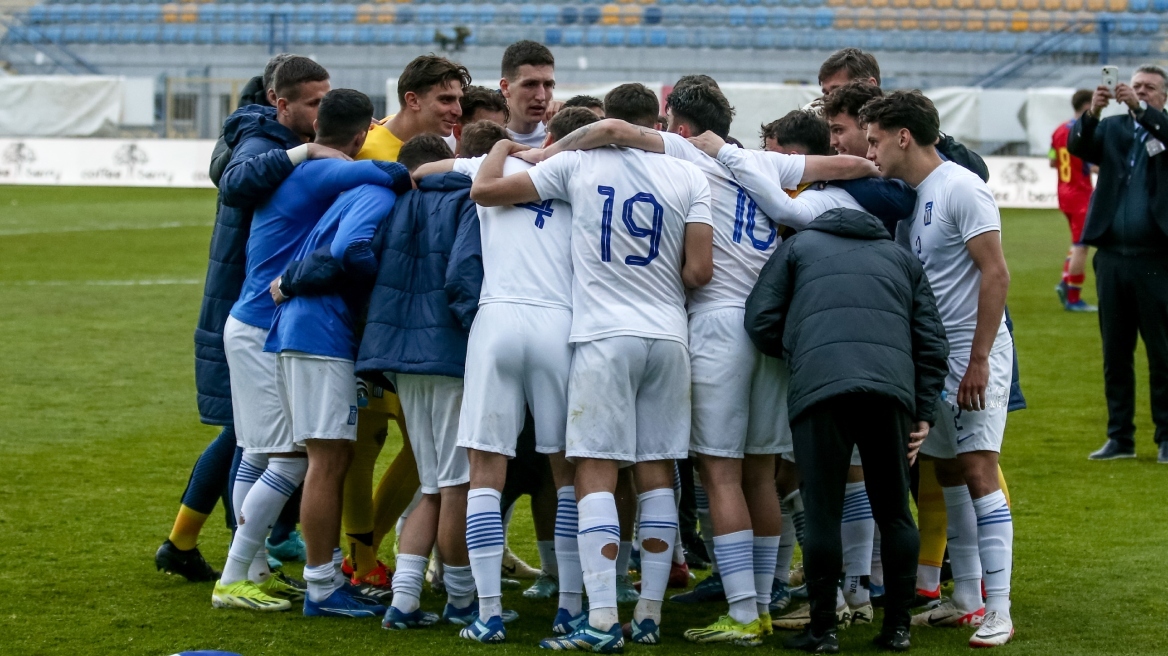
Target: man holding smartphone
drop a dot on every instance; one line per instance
(1128, 224)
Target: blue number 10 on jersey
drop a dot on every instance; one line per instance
(653, 233)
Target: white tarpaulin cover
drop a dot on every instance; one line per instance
(72, 105)
(106, 162)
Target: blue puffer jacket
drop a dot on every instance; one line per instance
(429, 276)
(258, 165)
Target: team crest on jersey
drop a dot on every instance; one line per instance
(352, 415)
(928, 213)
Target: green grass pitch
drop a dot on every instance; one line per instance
(99, 292)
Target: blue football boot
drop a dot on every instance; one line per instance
(467, 616)
(395, 620)
(566, 623)
(780, 597)
(645, 632)
(486, 632)
(341, 604)
(710, 589)
(586, 638)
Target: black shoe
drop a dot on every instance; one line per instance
(828, 643)
(695, 552)
(189, 563)
(897, 640)
(1163, 459)
(1113, 450)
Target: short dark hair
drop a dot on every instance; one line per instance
(423, 149)
(910, 110)
(270, 69)
(427, 71)
(634, 103)
(703, 106)
(529, 53)
(343, 114)
(586, 102)
(859, 65)
(475, 98)
(294, 71)
(479, 137)
(568, 120)
(697, 78)
(800, 128)
(849, 98)
(1082, 98)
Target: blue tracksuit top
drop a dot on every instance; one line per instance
(282, 224)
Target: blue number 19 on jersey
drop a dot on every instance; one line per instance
(653, 232)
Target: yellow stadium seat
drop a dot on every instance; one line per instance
(837, 3)
(1117, 5)
(975, 22)
(930, 20)
(1073, 5)
(364, 13)
(943, 4)
(952, 20)
(878, 4)
(1031, 5)
(987, 4)
(1019, 21)
(966, 4)
(1052, 5)
(609, 15)
(996, 21)
(901, 4)
(1008, 5)
(188, 13)
(403, 1)
(1040, 21)
(843, 22)
(858, 3)
(866, 19)
(385, 14)
(1096, 5)
(910, 22)
(631, 15)
(887, 20)
(922, 4)
(170, 13)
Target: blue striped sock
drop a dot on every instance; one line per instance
(484, 541)
(735, 555)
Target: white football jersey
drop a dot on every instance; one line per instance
(527, 249)
(629, 212)
(954, 206)
(744, 237)
(535, 139)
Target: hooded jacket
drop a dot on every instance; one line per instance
(850, 311)
(259, 163)
(430, 272)
(253, 93)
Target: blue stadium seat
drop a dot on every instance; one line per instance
(55, 14)
(405, 14)
(445, 14)
(246, 13)
(71, 34)
(304, 14)
(465, 13)
(553, 36)
(385, 34)
(366, 34)
(824, 17)
(304, 34)
(228, 14)
(614, 36)
(778, 17)
(740, 38)
(938, 42)
(1128, 24)
(326, 34)
(326, 13)
(1149, 24)
(736, 16)
(73, 13)
(658, 37)
(590, 15)
(37, 14)
(89, 34)
(227, 34)
(186, 33)
(1138, 6)
(112, 14)
(128, 33)
(757, 17)
(424, 35)
(635, 37)
(569, 15)
(962, 41)
(426, 14)
(800, 17)
(149, 33)
(1160, 6)
(53, 33)
(527, 14)
(594, 36)
(873, 40)
(979, 42)
(345, 13)
(486, 14)
(91, 13)
(1005, 42)
(652, 15)
(208, 13)
(573, 36)
(405, 35)
(894, 41)
(764, 39)
(676, 37)
(205, 34)
(549, 14)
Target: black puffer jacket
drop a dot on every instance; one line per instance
(850, 311)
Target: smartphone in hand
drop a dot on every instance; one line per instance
(1110, 77)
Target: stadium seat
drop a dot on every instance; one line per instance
(594, 36)
(635, 37)
(658, 37)
(553, 36)
(1138, 6)
(736, 16)
(677, 37)
(548, 14)
(1160, 6)
(653, 15)
(429, 13)
(802, 17)
(404, 14)
(527, 14)
(345, 35)
(1149, 24)
(573, 36)
(128, 34)
(205, 34)
(149, 33)
(366, 34)
(445, 15)
(385, 34)
(590, 15)
(757, 17)
(55, 14)
(91, 13)
(304, 34)
(486, 14)
(1005, 42)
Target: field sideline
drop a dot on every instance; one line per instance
(100, 289)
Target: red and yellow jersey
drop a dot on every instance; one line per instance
(1074, 175)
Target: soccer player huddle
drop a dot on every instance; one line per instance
(592, 272)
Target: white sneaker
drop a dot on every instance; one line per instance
(862, 614)
(434, 575)
(515, 568)
(947, 613)
(996, 630)
(800, 618)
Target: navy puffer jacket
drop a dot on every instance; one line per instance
(429, 275)
(258, 165)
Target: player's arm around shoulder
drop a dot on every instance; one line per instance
(492, 189)
(698, 263)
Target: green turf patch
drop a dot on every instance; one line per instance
(100, 290)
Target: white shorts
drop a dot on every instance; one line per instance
(518, 356)
(260, 423)
(431, 405)
(628, 400)
(974, 431)
(318, 395)
(739, 394)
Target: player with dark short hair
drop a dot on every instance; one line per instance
(528, 83)
(591, 103)
(847, 65)
(423, 149)
(479, 137)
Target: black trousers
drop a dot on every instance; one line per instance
(823, 438)
(1133, 299)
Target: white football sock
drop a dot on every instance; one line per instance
(658, 521)
(251, 467)
(571, 577)
(963, 556)
(928, 578)
(599, 527)
(736, 553)
(856, 530)
(338, 563)
(547, 557)
(259, 570)
(876, 578)
(678, 549)
(460, 588)
(705, 524)
(995, 546)
(260, 509)
(484, 544)
(787, 543)
(623, 556)
(407, 582)
(320, 580)
(766, 550)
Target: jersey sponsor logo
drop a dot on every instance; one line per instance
(542, 211)
(352, 415)
(928, 213)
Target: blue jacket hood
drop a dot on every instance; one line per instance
(256, 121)
(445, 182)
